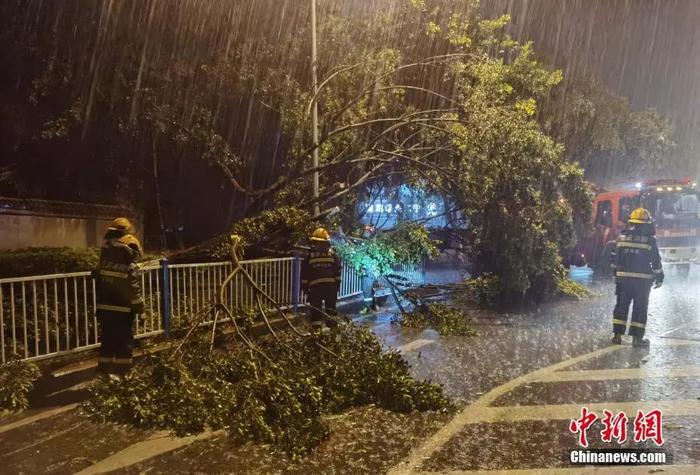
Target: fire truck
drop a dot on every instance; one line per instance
(675, 206)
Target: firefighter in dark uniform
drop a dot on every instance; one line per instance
(119, 297)
(320, 278)
(636, 264)
(367, 279)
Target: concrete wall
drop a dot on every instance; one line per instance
(26, 230)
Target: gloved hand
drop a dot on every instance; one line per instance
(658, 283)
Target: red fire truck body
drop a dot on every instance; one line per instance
(675, 206)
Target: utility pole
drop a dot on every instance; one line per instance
(314, 116)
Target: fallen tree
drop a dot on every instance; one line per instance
(275, 389)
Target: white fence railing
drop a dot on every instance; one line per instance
(50, 315)
(193, 287)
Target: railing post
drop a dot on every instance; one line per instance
(296, 282)
(165, 295)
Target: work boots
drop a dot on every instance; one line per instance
(617, 339)
(639, 342)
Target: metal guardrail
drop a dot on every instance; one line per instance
(409, 273)
(50, 315)
(193, 287)
(46, 315)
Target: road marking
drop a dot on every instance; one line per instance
(603, 470)
(37, 417)
(159, 443)
(673, 330)
(414, 345)
(681, 407)
(75, 387)
(442, 436)
(627, 373)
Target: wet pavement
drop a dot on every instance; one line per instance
(563, 360)
(519, 383)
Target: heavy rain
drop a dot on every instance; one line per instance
(350, 236)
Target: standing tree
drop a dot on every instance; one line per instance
(189, 107)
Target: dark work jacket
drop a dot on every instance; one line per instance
(320, 266)
(636, 255)
(118, 283)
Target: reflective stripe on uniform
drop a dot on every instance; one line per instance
(111, 273)
(637, 324)
(113, 308)
(103, 359)
(324, 280)
(322, 260)
(123, 361)
(636, 238)
(617, 321)
(634, 245)
(636, 275)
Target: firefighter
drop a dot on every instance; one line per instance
(320, 278)
(367, 279)
(119, 297)
(636, 265)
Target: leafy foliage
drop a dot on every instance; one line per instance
(426, 93)
(277, 229)
(446, 320)
(47, 260)
(16, 381)
(409, 243)
(516, 190)
(53, 260)
(282, 404)
(482, 291)
(286, 223)
(569, 288)
(602, 132)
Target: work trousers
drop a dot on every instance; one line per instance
(636, 292)
(318, 294)
(117, 338)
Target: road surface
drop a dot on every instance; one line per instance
(519, 384)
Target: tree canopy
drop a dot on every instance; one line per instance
(200, 113)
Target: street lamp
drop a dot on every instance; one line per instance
(314, 115)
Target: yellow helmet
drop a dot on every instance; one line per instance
(320, 234)
(640, 216)
(121, 224)
(131, 241)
